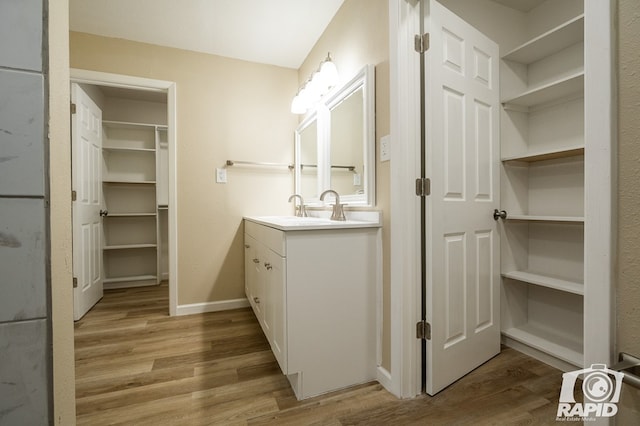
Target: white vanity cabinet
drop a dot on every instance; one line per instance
(313, 290)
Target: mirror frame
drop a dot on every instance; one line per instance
(365, 80)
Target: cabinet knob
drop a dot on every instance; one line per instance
(499, 214)
(257, 300)
(268, 266)
(256, 260)
(247, 246)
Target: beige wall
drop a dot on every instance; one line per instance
(359, 35)
(226, 109)
(628, 292)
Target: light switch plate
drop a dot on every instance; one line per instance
(357, 179)
(221, 175)
(385, 148)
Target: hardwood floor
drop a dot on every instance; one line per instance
(135, 365)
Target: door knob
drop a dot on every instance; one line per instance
(104, 213)
(499, 214)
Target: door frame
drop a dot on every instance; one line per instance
(600, 178)
(169, 87)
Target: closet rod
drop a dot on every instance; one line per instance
(258, 163)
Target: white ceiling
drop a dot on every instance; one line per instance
(278, 32)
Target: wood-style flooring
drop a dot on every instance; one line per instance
(135, 365)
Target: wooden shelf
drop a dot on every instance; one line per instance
(129, 246)
(559, 346)
(538, 218)
(547, 93)
(548, 155)
(553, 41)
(127, 149)
(546, 281)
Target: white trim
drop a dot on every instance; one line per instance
(222, 305)
(384, 377)
(600, 179)
(404, 22)
(139, 83)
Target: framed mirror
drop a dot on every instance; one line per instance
(306, 163)
(344, 126)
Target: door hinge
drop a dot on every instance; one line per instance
(421, 42)
(423, 187)
(423, 330)
(74, 195)
(75, 282)
(73, 108)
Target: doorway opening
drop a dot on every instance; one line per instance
(134, 241)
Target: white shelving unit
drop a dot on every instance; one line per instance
(131, 227)
(542, 179)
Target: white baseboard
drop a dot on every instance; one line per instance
(384, 378)
(222, 305)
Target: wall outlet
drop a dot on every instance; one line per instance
(357, 179)
(385, 148)
(221, 175)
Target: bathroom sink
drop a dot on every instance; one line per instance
(293, 223)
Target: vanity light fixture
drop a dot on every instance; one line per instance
(320, 82)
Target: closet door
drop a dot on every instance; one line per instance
(86, 143)
(462, 162)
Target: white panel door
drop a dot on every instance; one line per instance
(462, 161)
(86, 141)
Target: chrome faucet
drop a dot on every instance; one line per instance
(338, 211)
(301, 210)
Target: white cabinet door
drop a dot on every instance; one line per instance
(275, 306)
(462, 160)
(86, 142)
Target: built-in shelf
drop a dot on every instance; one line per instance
(539, 218)
(129, 125)
(163, 207)
(129, 182)
(548, 155)
(546, 281)
(560, 346)
(562, 88)
(129, 246)
(127, 149)
(130, 279)
(553, 41)
(131, 215)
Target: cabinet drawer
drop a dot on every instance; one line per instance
(270, 237)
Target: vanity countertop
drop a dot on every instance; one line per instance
(293, 223)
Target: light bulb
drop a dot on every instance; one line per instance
(329, 72)
(297, 105)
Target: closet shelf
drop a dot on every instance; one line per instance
(129, 246)
(127, 149)
(130, 215)
(546, 281)
(130, 279)
(130, 125)
(554, 91)
(548, 155)
(128, 182)
(559, 346)
(540, 218)
(553, 41)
